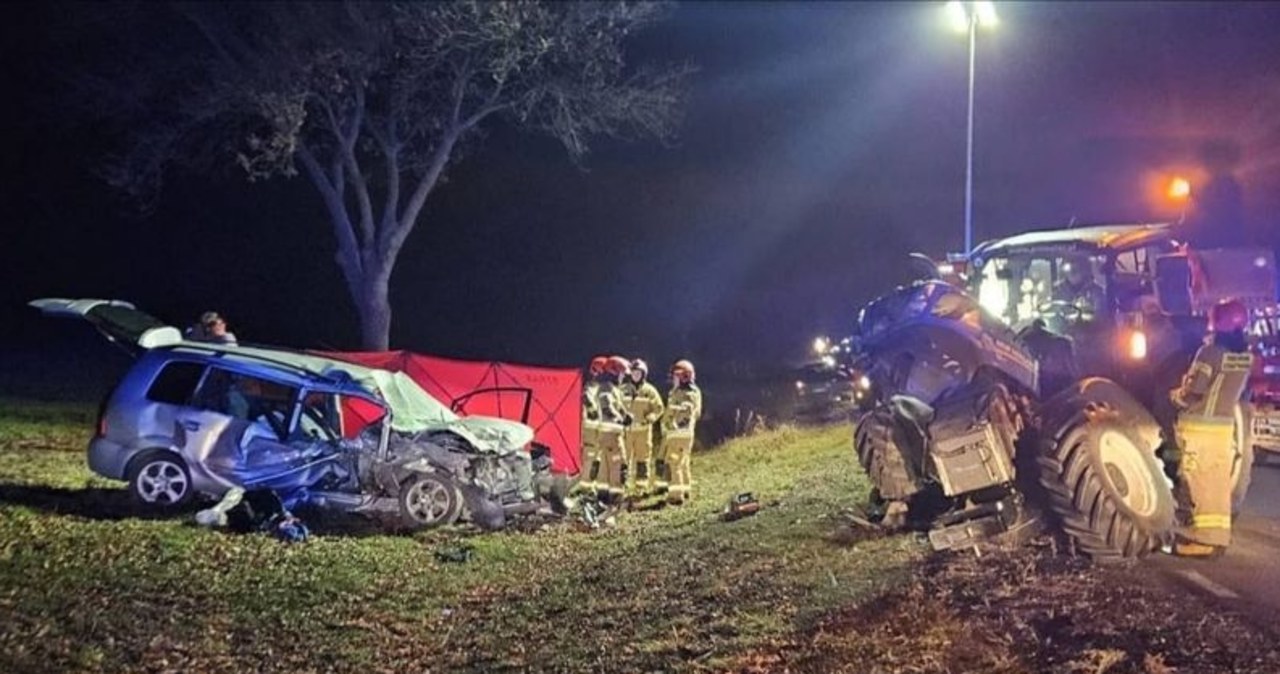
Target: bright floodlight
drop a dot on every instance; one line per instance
(957, 15)
(986, 12)
(1179, 188)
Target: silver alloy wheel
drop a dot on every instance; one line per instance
(162, 481)
(1128, 474)
(428, 501)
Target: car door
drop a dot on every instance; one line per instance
(209, 430)
(120, 322)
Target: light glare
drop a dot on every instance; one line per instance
(957, 16)
(1138, 345)
(1179, 188)
(986, 12)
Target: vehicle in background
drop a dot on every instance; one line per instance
(1265, 383)
(824, 392)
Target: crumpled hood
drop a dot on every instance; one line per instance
(491, 434)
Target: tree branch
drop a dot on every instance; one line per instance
(460, 91)
(346, 137)
(390, 144)
(393, 239)
(349, 259)
(354, 173)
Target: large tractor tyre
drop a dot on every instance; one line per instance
(1105, 488)
(879, 442)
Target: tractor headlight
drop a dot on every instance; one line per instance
(1138, 345)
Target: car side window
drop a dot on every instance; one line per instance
(247, 397)
(318, 419)
(176, 383)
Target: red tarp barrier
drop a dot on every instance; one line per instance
(547, 399)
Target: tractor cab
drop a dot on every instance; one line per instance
(1132, 298)
(1097, 285)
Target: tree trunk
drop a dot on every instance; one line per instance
(375, 313)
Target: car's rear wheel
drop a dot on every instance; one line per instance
(160, 479)
(428, 500)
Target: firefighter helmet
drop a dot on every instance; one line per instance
(597, 365)
(1228, 316)
(683, 372)
(617, 365)
(640, 366)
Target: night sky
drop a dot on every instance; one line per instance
(822, 143)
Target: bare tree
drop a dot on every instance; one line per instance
(374, 101)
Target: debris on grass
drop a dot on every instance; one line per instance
(455, 554)
(1028, 610)
(740, 506)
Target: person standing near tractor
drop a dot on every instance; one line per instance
(644, 402)
(1211, 391)
(684, 407)
(589, 468)
(614, 421)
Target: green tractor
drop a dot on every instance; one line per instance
(1027, 382)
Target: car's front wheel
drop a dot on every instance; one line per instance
(160, 479)
(428, 500)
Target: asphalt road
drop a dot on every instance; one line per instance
(1247, 578)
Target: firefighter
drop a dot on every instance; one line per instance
(644, 402)
(614, 420)
(1211, 390)
(589, 468)
(684, 406)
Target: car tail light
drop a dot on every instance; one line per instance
(102, 414)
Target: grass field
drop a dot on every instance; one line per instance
(86, 585)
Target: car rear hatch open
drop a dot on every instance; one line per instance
(120, 322)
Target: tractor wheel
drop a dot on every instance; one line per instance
(878, 441)
(1106, 489)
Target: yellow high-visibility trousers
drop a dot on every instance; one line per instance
(612, 460)
(1205, 471)
(640, 458)
(676, 449)
(589, 468)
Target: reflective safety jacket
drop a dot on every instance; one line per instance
(684, 407)
(644, 402)
(613, 410)
(1215, 384)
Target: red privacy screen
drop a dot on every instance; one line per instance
(547, 399)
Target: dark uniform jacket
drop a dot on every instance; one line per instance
(1215, 384)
